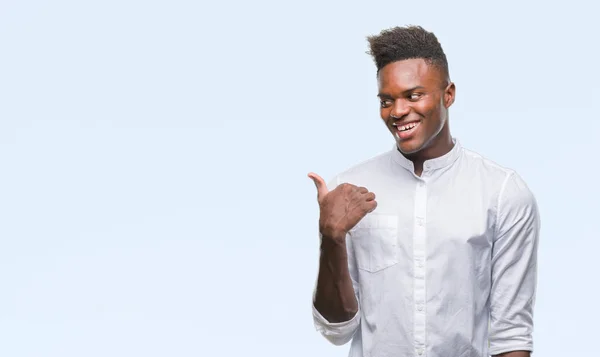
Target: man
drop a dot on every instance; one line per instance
(442, 263)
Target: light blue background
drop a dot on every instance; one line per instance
(153, 161)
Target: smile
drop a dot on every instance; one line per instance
(404, 131)
(407, 126)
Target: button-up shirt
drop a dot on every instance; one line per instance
(445, 266)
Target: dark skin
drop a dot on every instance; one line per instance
(515, 354)
(415, 91)
(340, 210)
(411, 91)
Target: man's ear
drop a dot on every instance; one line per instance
(449, 94)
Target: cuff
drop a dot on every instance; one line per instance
(496, 350)
(338, 333)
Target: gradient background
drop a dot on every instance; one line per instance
(153, 161)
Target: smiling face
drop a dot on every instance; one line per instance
(415, 97)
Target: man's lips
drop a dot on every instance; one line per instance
(406, 125)
(404, 130)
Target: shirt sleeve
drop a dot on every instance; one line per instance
(340, 333)
(514, 268)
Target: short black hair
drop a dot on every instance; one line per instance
(402, 43)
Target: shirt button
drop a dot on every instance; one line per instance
(420, 221)
(420, 307)
(420, 351)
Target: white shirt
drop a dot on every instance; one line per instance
(446, 264)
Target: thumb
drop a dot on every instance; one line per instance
(321, 185)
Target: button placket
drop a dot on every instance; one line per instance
(419, 258)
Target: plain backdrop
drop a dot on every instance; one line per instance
(153, 161)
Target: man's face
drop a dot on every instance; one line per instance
(415, 97)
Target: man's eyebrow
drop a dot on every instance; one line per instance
(414, 88)
(386, 96)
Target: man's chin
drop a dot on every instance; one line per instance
(409, 147)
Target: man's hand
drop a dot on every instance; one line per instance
(342, 208)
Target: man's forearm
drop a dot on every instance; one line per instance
(334, 298)
(515, 354)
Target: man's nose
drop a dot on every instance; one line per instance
(400, 109)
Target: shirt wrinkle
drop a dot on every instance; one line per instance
(428, 267)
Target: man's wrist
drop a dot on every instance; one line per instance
(332, 237)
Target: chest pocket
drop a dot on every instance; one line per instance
(375, 240)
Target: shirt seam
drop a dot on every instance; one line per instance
(500, 196)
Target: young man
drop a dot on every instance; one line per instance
(442, 263)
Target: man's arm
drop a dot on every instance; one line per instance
(514, 270)
(515, 354)
(336, 310)
(334, 297)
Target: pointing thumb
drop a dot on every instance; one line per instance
(321, 185)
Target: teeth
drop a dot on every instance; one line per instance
(407, 126)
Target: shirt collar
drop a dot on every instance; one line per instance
(431, 164)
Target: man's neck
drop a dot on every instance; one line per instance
(440, 147)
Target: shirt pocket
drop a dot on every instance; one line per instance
(375, 240)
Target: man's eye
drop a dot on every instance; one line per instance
(415, 96)
(386, 103)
